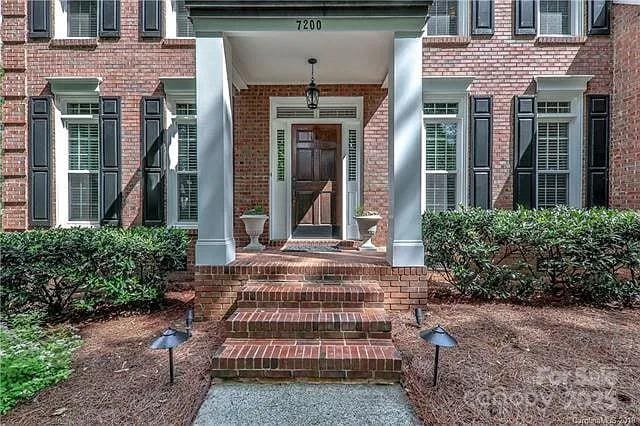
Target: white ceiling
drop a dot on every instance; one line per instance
(281, 57)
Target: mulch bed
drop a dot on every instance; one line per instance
(117, 379)
(517, 364)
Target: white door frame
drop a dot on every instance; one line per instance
(280, 196)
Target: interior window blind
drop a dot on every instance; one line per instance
(83, 171)
(187, 173)
(82, 18)
(441, 167)
(184, 27)
(553, 163)
(555, 17)
(443, 18)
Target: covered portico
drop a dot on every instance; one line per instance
(240, 43)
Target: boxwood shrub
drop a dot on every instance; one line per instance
(63, 270)
(589, 256)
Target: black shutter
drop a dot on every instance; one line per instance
(598, 162)
(481, 128)
(111, 193)
(482, 17)
(39, 18)
(525, 17)
(109, 18)
(524, 178)
(151, 18)
(152, 127)
(40, 161)
(599, 16)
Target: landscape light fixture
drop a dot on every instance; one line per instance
(312, 93)
(438, 337)
(170, 339)
(189, 321)
(418, 314)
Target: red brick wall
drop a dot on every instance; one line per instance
(625, 129)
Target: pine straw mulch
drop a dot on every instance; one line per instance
(117, 379)
(517, 364)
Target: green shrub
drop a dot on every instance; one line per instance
(60, 270)
(591, 256)
(32, 358)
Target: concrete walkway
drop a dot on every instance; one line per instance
(233, 403)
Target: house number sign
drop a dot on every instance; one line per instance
(309, 24)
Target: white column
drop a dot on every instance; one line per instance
(215, 245)
(404, 246)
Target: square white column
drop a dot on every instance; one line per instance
(404, 245)
(215, 245)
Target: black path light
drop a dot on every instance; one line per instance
(418, 315)
(312, 93)
(170, 339)
(189, 321)
(438, 337)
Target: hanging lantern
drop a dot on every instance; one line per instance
(312, 93)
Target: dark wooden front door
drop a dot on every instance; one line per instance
(316, 180)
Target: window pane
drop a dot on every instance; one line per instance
(184, 27)
(82, 18)
(555, 17)
(440, 108)
(83, 196)
(185, 109)
(553, 146)
(443, 18)
(440, 191)
(441, 140)
(187, 147)
(554, 107)
(188, 197)
(82, 108)
(552, 189)
(83, 146)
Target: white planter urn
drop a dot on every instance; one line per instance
(367, 226)
(254, 225)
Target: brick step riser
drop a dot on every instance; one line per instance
(336, 306)
(282, 334)
(320, 375)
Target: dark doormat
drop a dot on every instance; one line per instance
(311, 248)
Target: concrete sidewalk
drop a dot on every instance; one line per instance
(234, 403)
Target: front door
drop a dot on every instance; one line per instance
(315, 178)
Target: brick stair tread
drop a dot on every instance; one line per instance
(311, 292)
(313, 358)
(312, 319)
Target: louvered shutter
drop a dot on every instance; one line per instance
(525, 152)
(109, 18)
(598, 156)
(39, 18)
(482, 17)
(110, 160)
(599, 17)
(151, 18)
(152, 162)
(481, 133)
(525, 17)
(40, 161)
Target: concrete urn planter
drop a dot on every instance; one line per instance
(367, 226)
(254, 225)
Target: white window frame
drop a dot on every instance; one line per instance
(171, 124)
(574, 119)
(62, 157)
(60, 21)
(576, 20)
(171, 21)
(461, 144)
(464, 16)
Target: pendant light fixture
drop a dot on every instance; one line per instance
(312, 93)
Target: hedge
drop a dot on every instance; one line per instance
(81, 269)
(588, 256)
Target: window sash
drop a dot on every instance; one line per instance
(553, 169)
(187, 172)
(555, 17)
(443, 18)
(441, 171)
(82, 18)
(184, 27)
(83, 171)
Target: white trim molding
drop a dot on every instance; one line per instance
(71, 86)
(562, 83)
(180, 86)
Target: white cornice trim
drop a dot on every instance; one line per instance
(446, 84)
(74, 85)
(179, 86)
(238, 80)
(562, 83)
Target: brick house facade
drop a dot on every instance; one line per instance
(132, 66)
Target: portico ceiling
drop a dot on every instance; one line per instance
(281, 57)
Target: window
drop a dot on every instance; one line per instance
(177, 23)
(553, 163)
(442, 155)
(560, 17)
(83, 161)
(82, 18)
(443, 18)
(183, 164)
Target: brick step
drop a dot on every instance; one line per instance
(374, 360)
(309, 324)
(310, 295)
